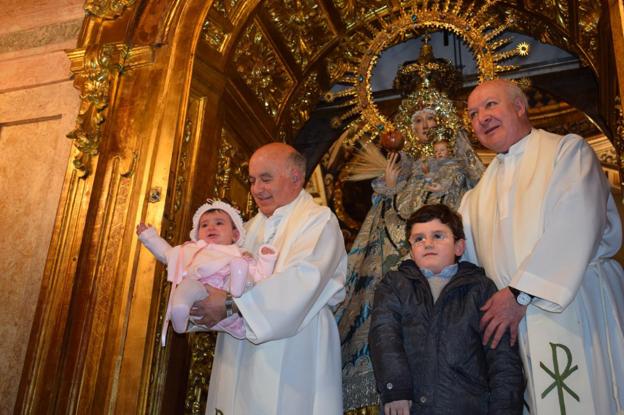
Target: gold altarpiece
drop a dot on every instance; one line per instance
(175, 96)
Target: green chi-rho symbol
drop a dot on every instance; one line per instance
(560, 377)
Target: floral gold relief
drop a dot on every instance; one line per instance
(232, 182)
(303, 27)
(557, 11)
(589, 15)
(202, 353)
(260, 67)
(224, 169)
(352, 10)
(95, 79)
(180, 183)
(302, 106)
(213, 34)
(107, 9)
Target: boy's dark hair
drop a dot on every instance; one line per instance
(443, 213)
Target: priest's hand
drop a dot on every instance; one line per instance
(211, 309)
(398, 407)
(502, 312)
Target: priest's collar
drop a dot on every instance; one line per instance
(517, 148)
(447, 272)
(284, 210)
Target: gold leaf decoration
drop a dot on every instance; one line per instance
(232, 175)
(107, 9)
(202, 354)
(301, 106)
(477, 27)
(303, 27)
(214, 35)
(343, 59)
(224, 167)
(589, 15)
(556, 11)
(101, 66)
(257, 63)
(351, 11)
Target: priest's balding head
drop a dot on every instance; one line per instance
(276, 176)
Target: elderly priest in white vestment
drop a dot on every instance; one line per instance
(544, 225)
(289, 363)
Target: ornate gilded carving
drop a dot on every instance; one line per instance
(179, 183)
(232, 165)
(353, 10)
(101, 67)
(556, 11)
(202, 353)
(589, 15)
(316, 186)
(214, 35)
(219, 6)
(579, 37)
(367, 410)
(224, 169)
(342, 60)
(233, 4)
(225, 8)
(217, 26)
(341, 213)
(608, 157)
(301, 107)
(303, 27)
(257, 63)
(107, 9)
(478, 28)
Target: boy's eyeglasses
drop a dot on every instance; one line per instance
(437, 236)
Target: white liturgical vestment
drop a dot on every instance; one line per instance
(290, 362)
(542, 219)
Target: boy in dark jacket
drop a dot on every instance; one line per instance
(425, 338)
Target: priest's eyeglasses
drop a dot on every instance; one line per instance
(420, 239)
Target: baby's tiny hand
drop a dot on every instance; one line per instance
(141, 227)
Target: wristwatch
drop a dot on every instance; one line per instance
(522, 298)
(230, 306)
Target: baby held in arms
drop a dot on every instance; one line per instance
(213, 256)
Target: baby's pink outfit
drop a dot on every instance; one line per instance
(208, 264)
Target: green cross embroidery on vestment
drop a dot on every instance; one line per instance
(559, 377)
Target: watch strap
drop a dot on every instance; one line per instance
(230, 306)
(516, 292)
